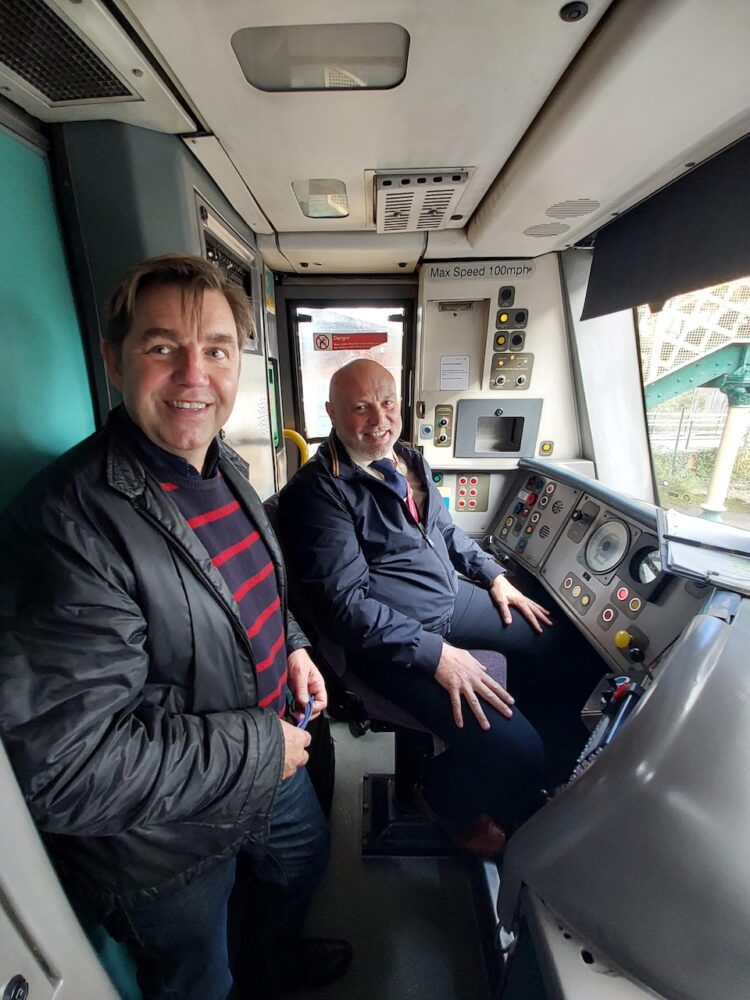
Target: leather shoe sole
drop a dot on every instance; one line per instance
(481, 836)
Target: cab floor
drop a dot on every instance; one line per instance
(411, 921)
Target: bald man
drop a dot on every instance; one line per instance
(370, 540)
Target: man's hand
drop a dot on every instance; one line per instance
(506, 596)
(296, 742)
(305, 682)
(463, 676)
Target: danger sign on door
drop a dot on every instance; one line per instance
(349, 341)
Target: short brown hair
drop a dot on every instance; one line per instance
(193, 275)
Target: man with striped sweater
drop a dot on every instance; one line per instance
(147, 657)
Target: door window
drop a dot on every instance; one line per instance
(329, 338)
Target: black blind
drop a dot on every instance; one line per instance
(693, 234)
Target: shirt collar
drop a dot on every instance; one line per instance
(157, 458)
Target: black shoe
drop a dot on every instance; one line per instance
(315, 962)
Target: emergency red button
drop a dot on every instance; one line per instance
(531, 498)
(622, 593)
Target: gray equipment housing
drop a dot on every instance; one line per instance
(643, 857)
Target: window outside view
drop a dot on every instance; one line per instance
(334, 337)
(695, 356)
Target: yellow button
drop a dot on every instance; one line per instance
(546, 446)
(623, 639)
(503, 317)
(509, 521)
(576, 591)
(585, 600)
(635, 604)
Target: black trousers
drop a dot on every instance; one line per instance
(500, 771)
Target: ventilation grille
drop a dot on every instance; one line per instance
(546, 229)
(572, 209)
(39, 47)
(415, 201)
(544, 531)
(232, 269)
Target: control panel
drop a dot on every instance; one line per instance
(535, 516)
(443, 425)
(511, 371)
(464, 492)
(600, 558)
(493, 378)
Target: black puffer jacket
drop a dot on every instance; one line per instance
(127, 687)
(377, 582)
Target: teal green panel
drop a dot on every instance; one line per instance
(700, 372)
(45, 406)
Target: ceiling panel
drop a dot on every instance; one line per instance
(478, 73)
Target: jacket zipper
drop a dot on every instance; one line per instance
(417, 524)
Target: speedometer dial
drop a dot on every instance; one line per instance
(607, 546)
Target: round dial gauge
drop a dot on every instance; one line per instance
(607, 546)
(646, 565)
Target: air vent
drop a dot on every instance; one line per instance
(546, 229)
(40, 48)
(544, 531)
(572, 209)
(416, 201)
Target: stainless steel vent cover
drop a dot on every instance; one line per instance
(408, 201)
(41, 49)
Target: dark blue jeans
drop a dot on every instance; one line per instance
(179, 941)
(500, 771)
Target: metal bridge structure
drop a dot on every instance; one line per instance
(697, 340)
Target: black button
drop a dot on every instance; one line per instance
(17, 989)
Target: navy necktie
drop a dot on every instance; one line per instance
(391, 475)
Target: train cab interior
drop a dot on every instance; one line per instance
(536, 216)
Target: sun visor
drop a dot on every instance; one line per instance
(693, 234)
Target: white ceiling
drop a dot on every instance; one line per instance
(595, 114)
(478, 72)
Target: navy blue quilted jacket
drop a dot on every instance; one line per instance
(376, 581)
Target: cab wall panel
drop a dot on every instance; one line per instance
(45, 406)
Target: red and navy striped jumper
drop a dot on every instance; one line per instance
(236, 549)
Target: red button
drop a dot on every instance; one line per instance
(622, 594)
(472, 493)
(472, 503)
(462, 480)
(462, 493)
(608, 614)
(525, 512)
(531, 498)
(473, 480)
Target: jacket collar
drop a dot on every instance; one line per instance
(340, 462)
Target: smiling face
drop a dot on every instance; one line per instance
(364, 409)
(178, 368)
